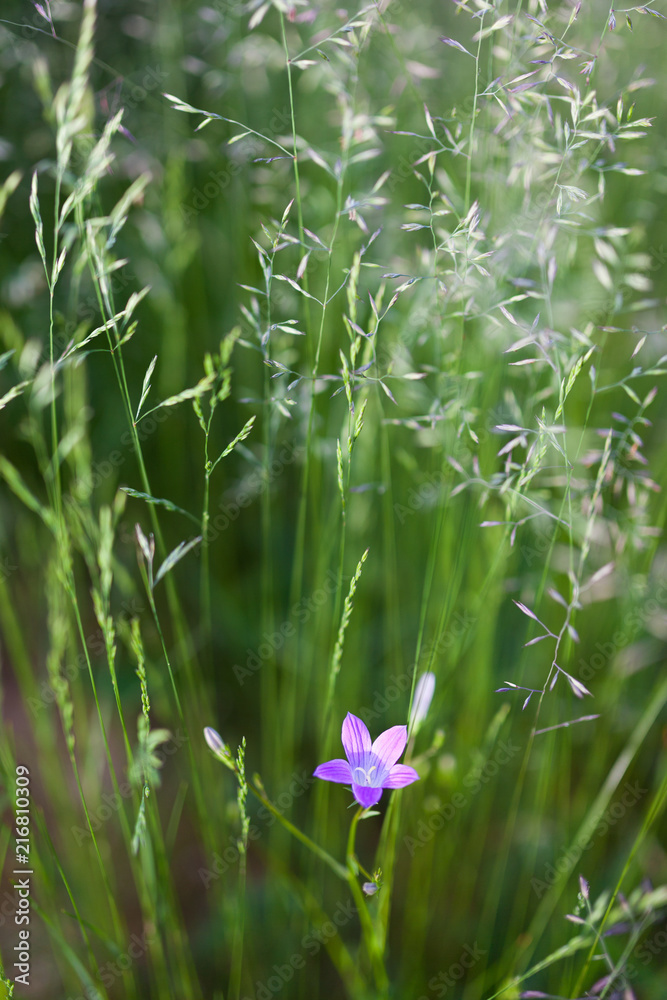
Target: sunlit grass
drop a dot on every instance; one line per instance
(338, 365)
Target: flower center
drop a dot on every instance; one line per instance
(368, 774)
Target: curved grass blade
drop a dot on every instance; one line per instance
(158, 502)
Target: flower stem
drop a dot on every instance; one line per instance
(370, 938)
(310, 844)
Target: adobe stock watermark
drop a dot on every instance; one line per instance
(138, 86)
(37, 25)
(87, 311)
(95, 644)
(226, 7)
(153, 79)
(647, 950)
(474, 781)
(113, 801)
(230, 855)
(659, 255)
(400, 683)
(440, 984)
(406, 164)
(218, 181)
(383, 699)
(100, 471)
(301, 612)
(631, 624)
(430, 493)
(459, 624)
(434, 487)
(311, 944)
(565, 863)
(538, 547)
(253, 486)
(109, 972)
(7, 567)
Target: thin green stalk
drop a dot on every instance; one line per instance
(655, 810)
(176, 969)
(370, 937)
(128, 978)
(269, 687)
(239, 931)
(57, 496)
(334, 865)
(473, 118)
(295, 158)
(118, 924)
(183, 633)
(205, 576)
(596, 810)
(298, 568)
(165, 652)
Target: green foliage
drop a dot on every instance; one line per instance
(412, 284)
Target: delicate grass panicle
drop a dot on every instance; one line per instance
(345, 349)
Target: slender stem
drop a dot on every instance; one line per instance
(310, 844)
(105, 302)
(165, 652)
(52, 282)
(205, 574)
(656, 808)
(370, 937)
(297, 181)
(473, 118)
(237, 947)
(205, 579)
(351, 860)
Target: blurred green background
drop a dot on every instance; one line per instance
(437, 588)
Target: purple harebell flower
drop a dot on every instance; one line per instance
(369, 767)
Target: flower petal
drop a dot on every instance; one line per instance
(366, 796)
(334, 770)
(390, 745)
(356, 739)
(400, 776)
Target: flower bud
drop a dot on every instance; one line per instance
(217, 745)
(422, 700)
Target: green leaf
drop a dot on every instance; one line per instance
(196, 406)
(235, 138)
(631, 393)
(175, 556)
(180, 105)
(202, 387)
(66, 952)
(297, 288)
(37, 216)
(13, 479)
(119, 212)
(258, 16)
(158, 502)
(8, 188)
(387, 391)
(138, 834)
(456, 45)
(4, 358)
(146, 388)
(241, 436)
(15, 391)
